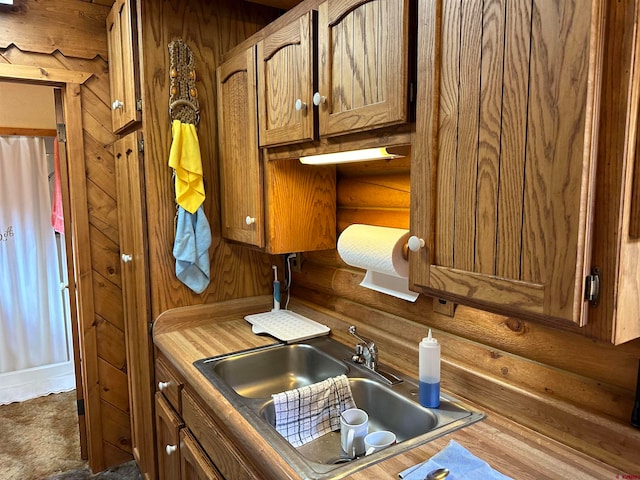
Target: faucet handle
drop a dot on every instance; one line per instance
(367, 343)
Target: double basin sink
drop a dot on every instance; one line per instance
(248, 379)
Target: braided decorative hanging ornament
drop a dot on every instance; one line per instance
(183, 97)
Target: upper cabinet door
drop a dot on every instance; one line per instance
(504, 154)
(241, 173)
(123, 66)
(363, 64)
(286, 84)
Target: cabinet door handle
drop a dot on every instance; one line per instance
(318, 99)
(250, 220)
(163, 385)
(117, 104)
(170, 449)
(126, 258)
(415, 243)
(300, 105)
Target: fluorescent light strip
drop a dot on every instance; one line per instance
(350, 156)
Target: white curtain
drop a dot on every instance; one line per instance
(32, 324)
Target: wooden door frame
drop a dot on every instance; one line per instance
(76, 219)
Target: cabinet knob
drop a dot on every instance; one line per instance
(117, 104)
(415, 243)
(170, 449)
(318, 99)
(126, 258)
(250, 220)
(300, 105)
(163, 385)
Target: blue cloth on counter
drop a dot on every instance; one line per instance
(462, 464)
(191, 249)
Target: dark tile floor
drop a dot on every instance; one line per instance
(126, 471)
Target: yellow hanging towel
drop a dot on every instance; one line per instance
(184, 158)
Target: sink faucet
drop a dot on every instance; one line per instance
(366, 351)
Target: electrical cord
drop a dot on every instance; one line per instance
(288, 278)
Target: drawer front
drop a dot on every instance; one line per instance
(167, 382)
(227, 459)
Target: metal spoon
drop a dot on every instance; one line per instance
(437, 474)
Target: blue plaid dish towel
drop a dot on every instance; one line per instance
(462, 464)
(306, 413)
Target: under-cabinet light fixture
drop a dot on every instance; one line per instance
(384, 153)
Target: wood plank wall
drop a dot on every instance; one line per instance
(46, 43)
(210, 29)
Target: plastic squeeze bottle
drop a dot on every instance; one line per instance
(429, 372)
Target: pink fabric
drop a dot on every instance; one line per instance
(57, 219)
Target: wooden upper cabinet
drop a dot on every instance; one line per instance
(363, 64)
(123, 64)
(504, 154)
(286, 84)
(280, 206)
(240, 160)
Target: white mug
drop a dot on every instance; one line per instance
(354, 425)
(378, 440)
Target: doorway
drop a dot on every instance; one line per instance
(47, 102)
(37, 351)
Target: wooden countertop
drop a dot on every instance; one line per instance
(187, 334)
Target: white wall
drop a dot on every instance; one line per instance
(26, 106)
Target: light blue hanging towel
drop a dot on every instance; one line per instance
(191, 249)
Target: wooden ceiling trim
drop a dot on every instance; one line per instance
(50, 76)
(77, 29)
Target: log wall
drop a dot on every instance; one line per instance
(552, 380)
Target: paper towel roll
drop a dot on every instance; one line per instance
(378, 250)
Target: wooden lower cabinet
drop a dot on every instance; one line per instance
(225, 456)
(190, 444)
(194, 463)
(168, 425)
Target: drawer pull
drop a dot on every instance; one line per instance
(170, 449)
(162, 386)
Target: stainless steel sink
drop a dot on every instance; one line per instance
(261, 373)
(248, 379)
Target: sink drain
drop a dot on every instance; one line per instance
(339, 460)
